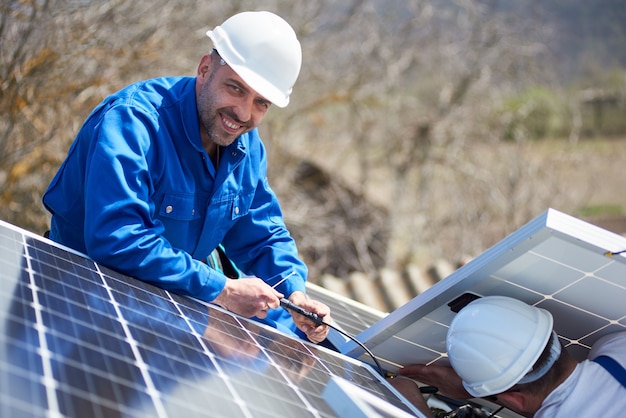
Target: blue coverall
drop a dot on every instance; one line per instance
(139, 194)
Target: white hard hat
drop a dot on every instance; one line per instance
(494, 341)
(262, 48)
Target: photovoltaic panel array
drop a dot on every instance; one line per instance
(78, 339)
(555, 262)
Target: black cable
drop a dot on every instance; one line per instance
(611, 253)
(287, 304)
(493, 414)
(367, 350)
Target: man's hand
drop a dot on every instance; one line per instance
(315, 333)
(251, 296)
(444, 378)
(248, 297)
(411, 392)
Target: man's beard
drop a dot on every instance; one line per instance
(209, 119)
(210, 129)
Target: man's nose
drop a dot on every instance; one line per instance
(243, 110)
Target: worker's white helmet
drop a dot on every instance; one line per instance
(262, 48)
(494, 341)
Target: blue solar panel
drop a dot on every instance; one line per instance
(78, 339)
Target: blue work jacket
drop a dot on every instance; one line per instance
(138, 193)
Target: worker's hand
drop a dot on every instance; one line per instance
(315, 333)
(410, 389)
(443, 378)
(248, 297)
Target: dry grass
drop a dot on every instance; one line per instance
(594, 165)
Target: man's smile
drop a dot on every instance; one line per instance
(230, 125)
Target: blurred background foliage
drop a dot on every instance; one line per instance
(417, 130)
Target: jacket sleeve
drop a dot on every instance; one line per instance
(259, 242)
(120, 228)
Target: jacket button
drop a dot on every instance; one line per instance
(193, 212)
(237, 211)
(169, 209)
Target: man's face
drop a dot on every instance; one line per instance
(227, 106)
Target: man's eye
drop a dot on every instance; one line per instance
(264, 103)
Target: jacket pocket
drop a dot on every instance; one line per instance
(180, 207)
(240, 206)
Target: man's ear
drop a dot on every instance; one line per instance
(204, 68)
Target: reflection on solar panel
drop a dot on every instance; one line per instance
(78, 339)
(555, 262)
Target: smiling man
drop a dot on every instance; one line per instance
(167, 170)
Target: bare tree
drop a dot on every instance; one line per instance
(393, 113)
